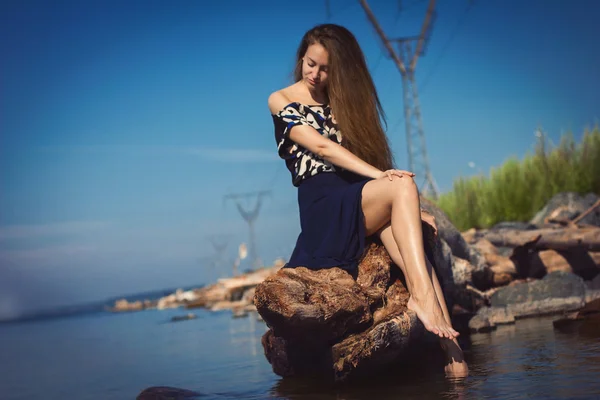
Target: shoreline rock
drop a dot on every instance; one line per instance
(555, 293)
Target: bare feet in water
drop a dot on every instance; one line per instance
(430, 314)
(455, 367)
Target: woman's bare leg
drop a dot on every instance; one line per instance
(396, 202)
(455, 362)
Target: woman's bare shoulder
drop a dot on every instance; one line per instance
(281, 98)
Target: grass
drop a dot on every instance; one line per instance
(518, 189)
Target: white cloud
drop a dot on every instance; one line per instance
(221, 154)
(234, 155)
(51, 255)
(54, 229)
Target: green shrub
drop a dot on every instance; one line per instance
(516, 190)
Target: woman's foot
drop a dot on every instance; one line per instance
(455, 367)
(431, 316)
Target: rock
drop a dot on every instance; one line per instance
(469, 235)
(209, 295)
(454, 273)
(556, 292)
(593, 218)
(585, 321)
(166, 393)
(248, 296)
(228, 305)
(594, 284)
(568, 206)
(591, 295)
(186, 317)
(448, 232)
(439, 253)
(233, 291)
(329, 323)
(487, 318)
(554, 285)
(462, 271)
(480, 324)
(499, 315)
(122, 305)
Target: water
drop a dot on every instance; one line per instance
(115, 356)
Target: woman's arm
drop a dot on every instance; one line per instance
(336, 154)
(327, 149)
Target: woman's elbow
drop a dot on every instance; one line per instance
(324, 150)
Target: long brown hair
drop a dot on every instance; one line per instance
(352, 94)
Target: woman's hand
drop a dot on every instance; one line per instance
(430, 220)
(397, 172)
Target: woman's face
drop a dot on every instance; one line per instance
(314, 66)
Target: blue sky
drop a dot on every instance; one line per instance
(124, 123)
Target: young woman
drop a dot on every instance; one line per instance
(328, 131)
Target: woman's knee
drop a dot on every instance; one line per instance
(404, 186)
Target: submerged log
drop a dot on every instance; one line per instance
(381, 344)
(300, 304)
(331, 323)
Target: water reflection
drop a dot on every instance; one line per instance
(526, 360)
(389, 386)
(117, 356)
(245, 332)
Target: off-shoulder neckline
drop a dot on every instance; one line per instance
(300, 104)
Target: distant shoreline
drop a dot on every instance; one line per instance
(86, 308)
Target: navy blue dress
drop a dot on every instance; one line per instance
(329, 198)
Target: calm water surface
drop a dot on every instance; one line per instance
(115, 356)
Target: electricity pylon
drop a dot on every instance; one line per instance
(219, 243)
(250, 217)
(410, 48)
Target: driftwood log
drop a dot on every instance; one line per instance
(543, 239)
(537, 252)
(330, 323)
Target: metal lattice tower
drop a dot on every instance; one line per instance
(410, 48)
(220, 243)
(250, 217)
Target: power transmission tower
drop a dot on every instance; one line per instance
(250, 217)
(219, 243)
(410, 48)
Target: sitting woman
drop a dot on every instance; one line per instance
(328, 131)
